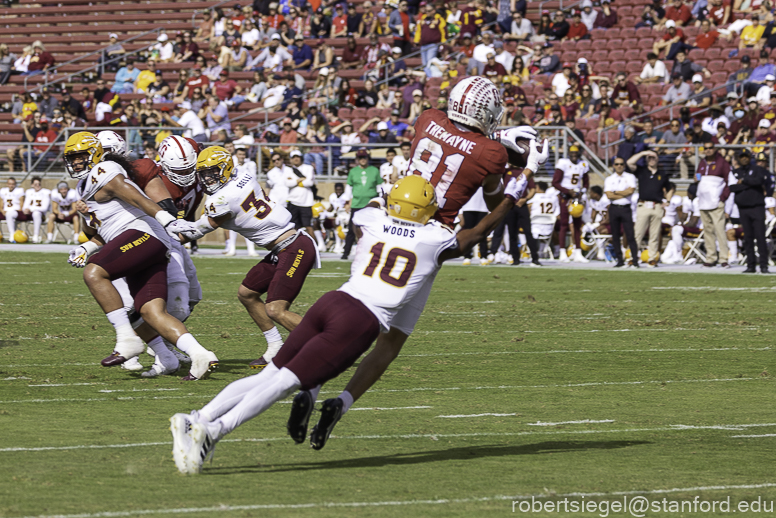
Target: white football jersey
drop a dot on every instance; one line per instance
(12, 199)
(692, 208)
(544, 203)
(401, 164)
(338, 202)
(66, 204)
(600, 206)
(386, 170)
(252, 213)
(394, 258)
(248, 167)
(278, 192)
(38, 201)
(113, 217)
(669, 217)
(572, 173)
(476, 203)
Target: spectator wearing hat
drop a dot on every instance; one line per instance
(111, 54)
(47, 103)
(184, 117)
(752, 184)
(302, 54)
(224, 88)
(69, 104)
(741, 75)
(364, 179)
(521, 29)
(292, 92)
(607, 115)
(701, 96)
(237, 57)
(299, 178)
(493, 70)
(678, 91)
(320, 25)
(764, 92)
(670, 156)
(399, 24)
(354, 19)
(339, 23)
(382, 135)
(764, 68)
(654, 187)
(577, 30)
(163, 50)
(763, 135)
(418, 106)
(589, 15)
(197, 79)
(549, 63)
(713, 171)
(502, 56)
(624, 93)
(397, 127)
(274, 57)
(288, 135)
(273, 19)
(751, 34)
(213, 68)
(607, 17)
(124, 81)
(429, 32)
(466, 47)
(671, 41)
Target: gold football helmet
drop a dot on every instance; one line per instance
(413, 199)
(82, 152)
(214, 168)
(318, 209)
(576, 209)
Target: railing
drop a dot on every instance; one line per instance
(697, 149)
(100, 65)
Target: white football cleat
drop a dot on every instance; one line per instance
(180, 426)
(204, 437)
(202, 365)
(230, 253)
(491, 258)
(133, 364)
(578, 257)
(130, 346)
(484, 262)
(563, 256)
(466, 262)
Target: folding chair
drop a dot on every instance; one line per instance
(67, 235)
(599, 242)
(544, 239)
(695, 251)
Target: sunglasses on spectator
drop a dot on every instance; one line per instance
(619, 164)
(674, 125)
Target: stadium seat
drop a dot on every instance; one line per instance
(616, 55)
(644, 32)
(627, 33)
(713, 53)
(633, 55)
(731, 66)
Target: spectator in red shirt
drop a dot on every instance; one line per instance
(273, 19)
(471, 17)
(577, 29)
(706, 38)
(352, 56)
(44, 136)
(197, 80)
(339, 24)
(718, 12)
(224, 88)
(671, 41)
(679, 13)
(467, 47)
(40, 60)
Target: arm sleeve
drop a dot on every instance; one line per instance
(586, 181)
(556, 179)
(308, 177)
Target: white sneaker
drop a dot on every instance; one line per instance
(563, 256)
(202, 365)
(50, 240)
(466, 262)
(204, 437)
(578, 257)
(133, 364)
(180, 426)
(230, 253)
(252, 253)
(484, 262)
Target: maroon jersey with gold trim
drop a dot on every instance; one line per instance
(455, 162)
(186, 199)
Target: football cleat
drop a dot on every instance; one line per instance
(563, 256)
(331, 413)
(484, 262)
(467, 262)
(113, 360)
(258, 364)
(133, 364)
(578, 257)
(201, 366)
(491, 258)
(301, 409)
(159, 369)
(204, 437)
(536, 264)
(180, 426)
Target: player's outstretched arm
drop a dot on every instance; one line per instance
(191, 231)
(119, 188)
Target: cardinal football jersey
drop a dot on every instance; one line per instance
(66, 204)
(12, 199)
(574, 175)
(393, 261)
(251, 213)
(455, 161)
(39, 201)
(113, 217)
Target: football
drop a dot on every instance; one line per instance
(519, 159)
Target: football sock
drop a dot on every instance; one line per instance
(231, 240)
(320, 240)
(347, 400)
(234, 393)
(50, 236)
(273, 335)
(268, 391)
(314, 392)
(37, 219)
(120, 322)
(250, 246)
(189, 345)
(733, 248)
(165, 356)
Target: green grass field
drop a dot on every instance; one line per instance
(671, 375)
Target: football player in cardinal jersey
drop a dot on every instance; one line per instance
(400, 250)
(572, 181)
(125, 241)
(12, 198)
(63, 202)
(240, 204)
(37, 201)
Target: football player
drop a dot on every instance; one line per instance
(571, 179)
(12, 198)
(691, 227)
(543, 204)
(37, 201)
(339, 213)
(241, 167)
(127, 239)
(453, 152)
(240, 204)
(400, 250)
(63, 202)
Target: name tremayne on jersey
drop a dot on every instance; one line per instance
(458, 142)
(396, 231)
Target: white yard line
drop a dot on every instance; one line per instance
(400, 503)
(65, 384)
(753, 436)
(140, 390)
(474, 415)
(390, 408)
(584, 421)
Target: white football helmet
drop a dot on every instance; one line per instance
(476, 102)
(178, 160)
(112, 142)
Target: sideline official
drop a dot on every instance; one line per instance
(750, 191)
(619, 188)
(654, 187)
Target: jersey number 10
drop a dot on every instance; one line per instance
(390, 262)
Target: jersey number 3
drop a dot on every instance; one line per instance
(426, 163)
(251, 202)
(390, 263)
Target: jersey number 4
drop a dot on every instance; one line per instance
(427, 162)
(262, 207)
(410, 260)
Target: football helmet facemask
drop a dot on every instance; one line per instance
(82, 152)
(413, 199)
(476, 102)
(214, 168)
(178, 159)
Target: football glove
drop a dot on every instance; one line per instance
(509, 137)
(515, 187)
(80, 254)
(537, 158)
(166, 220)
(195, 230)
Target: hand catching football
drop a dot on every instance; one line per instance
(517, 143)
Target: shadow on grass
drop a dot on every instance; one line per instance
(421, 457)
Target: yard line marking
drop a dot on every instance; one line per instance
(584, 421)
(15, 378)
(713, 288)
(64, 384)
(753, 436)
(391, 408)
(433, 436)
(27, 262)
(398, 503)
(474, 415)
(139, 390)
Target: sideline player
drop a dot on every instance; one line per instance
(400, 250)
(63, 202)
(37, 201)
(572, 180)
(126, 242)
(240, 204)
(12, 198)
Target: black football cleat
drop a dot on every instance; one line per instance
(114, 359)
(331, 413)
(301, 409)
(258, 364)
